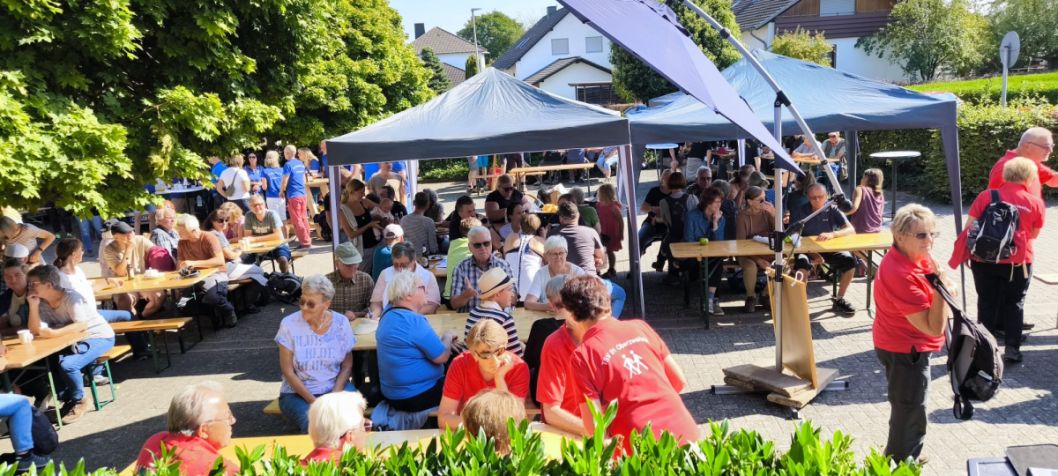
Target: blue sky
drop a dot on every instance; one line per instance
(453, 14)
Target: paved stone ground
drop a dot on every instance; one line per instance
(1024, 412)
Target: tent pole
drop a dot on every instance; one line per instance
(741, 152)
(839, 195)
(776, 308)
(332, 197)
(625, 173)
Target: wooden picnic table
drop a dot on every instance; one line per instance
(863, 242)
(21, 357)
(519, 173)
(456, 322)
(438, 270)
(140, 284)
(258, 247)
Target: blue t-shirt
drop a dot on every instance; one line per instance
(383, 258)
(829, 221)
(296, 183)
(255, 174)
(370, 169)
(407, 346)
(314, 164)
(274, 176)
(215, 171)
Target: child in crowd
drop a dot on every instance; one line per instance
(383, 214)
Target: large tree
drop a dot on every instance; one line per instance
(634, 80)
(926, 36)
(439, 81)
(496, 33)
(99, 98)
(1036, 22)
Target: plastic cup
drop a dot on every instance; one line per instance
(25, 337)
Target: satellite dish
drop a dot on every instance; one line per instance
(1009, 49)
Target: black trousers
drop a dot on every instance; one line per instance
(213, 299)
(1001, 290)
(908, 378)
(423, 401)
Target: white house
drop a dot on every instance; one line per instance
(562, 55)
(451, 49)
(842, 22)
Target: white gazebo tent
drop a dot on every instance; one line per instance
(493, 113)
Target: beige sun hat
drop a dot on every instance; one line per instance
(492, 282)
(364, 325)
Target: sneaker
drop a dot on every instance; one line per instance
(922, 460)
(101, 380)
(1012, 354)
(74, 410)
(843, 307)
(30, 460)
(231, 320)
(1027, 326)
(717, 310)
(751, 304)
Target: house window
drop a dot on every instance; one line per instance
(559, 46)
(593, 44)
(596, 93)
(836, 7)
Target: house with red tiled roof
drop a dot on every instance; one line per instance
(450, 48)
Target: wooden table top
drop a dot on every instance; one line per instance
(437, 271)
(725, 248)
(20, 356)
(302, 445)
(317, 182)
(138, 284)
(549, 168)
(259, 247)
(456, 322)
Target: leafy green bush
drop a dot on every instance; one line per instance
(987, 90)
(803, 45)
(443, 170)
(720, 452)
(986, 132)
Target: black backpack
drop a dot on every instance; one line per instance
(677, 210)
(45, 439)
(285, 287)
(991, 236)
(974, 360)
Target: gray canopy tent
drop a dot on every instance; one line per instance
(492, 113)
(829, 100)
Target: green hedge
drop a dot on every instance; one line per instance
(720, 452)
(987, 90)
(986, 132)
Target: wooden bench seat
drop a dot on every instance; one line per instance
(114, 354)
(154, 327)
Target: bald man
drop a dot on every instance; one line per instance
(1036, 144)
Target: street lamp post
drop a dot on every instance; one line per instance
(474, 26)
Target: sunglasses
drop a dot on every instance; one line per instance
(507, 189)
(309, 303)
(490, 354)
(221, 220)
(481, 244)
(926, 235)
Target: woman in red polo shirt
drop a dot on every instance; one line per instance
(624, 361)
(908, 326)
(485, 364)
(1001, 287)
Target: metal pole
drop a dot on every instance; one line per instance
(474, 26)
(741, 152)
(776, 308)
(626, 174)
(334, 188)
(1006, 57)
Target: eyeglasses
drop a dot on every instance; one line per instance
(309, 303)
(926, 235)
(490, 354)
(1043, 146)
(230, 419)
(557, 253)
(481, 244)
(221, 220)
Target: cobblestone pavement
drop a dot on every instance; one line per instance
(244, 360)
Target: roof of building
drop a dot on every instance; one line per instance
(455, 75)
(529, 39)
(753, 14)
(442, 42)
(559, 65)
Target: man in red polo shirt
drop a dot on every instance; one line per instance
(624, 361)
(200, 424)
(1036, 144)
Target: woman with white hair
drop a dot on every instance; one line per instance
(555, 251)
(315, 346)
(411, 357)
(336, 424)
(199, 426)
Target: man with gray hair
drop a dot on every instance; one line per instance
(1036, 144)
(199, 426)
(466, 275)
(200, 250)
(703, 178)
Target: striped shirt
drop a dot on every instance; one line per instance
(491, 310)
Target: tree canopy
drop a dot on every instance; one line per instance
(634, 80)
(471, 66)
(439, 81)
(496, 33)
(99, 98)
(925, 36)
(1036, 22)
(800, 44)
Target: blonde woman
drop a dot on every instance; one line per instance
(236, 220)
(234, 182)
(273, 178)
(486, 364)
(488, 412)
